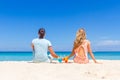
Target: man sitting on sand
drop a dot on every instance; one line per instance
(40, 46)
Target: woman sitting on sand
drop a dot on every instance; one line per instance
(81, 48)
(40, 47)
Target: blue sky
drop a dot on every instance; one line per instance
(20, 21)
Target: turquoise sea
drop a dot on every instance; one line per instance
(27, 56)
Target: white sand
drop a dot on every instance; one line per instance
(108, 70)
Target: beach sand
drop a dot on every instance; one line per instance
(21, 70)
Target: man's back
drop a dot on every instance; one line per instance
(40, 49)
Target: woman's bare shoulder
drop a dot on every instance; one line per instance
(88, 41)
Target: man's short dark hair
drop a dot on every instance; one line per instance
(41, 32)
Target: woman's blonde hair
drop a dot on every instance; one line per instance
(80, 37)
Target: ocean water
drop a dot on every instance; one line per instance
(28, 56)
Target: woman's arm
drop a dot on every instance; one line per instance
(72, 54)
(52, 52)
(90, 52)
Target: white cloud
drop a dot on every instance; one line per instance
(109, 43)
(106, 45)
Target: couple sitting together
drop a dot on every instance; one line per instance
(80, 49)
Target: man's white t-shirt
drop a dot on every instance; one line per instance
(40, 50)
